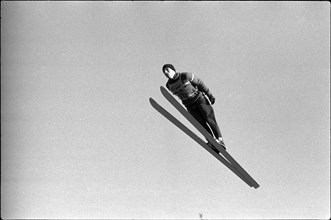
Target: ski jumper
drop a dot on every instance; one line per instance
(192, 92)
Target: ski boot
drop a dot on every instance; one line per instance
(213, 148)
(220, 142)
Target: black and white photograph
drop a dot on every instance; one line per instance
(165, 110)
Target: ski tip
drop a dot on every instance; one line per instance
(163, 90)
(153, 102)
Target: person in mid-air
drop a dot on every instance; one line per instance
(197, 99)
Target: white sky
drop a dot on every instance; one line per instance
(79, 138)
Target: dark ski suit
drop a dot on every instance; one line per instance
(192, 91)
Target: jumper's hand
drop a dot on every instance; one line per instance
(211, 99)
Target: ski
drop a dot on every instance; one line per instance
(211, 139)
(197, 139)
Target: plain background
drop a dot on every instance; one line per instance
(79, 138)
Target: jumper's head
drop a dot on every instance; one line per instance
(169, 71)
